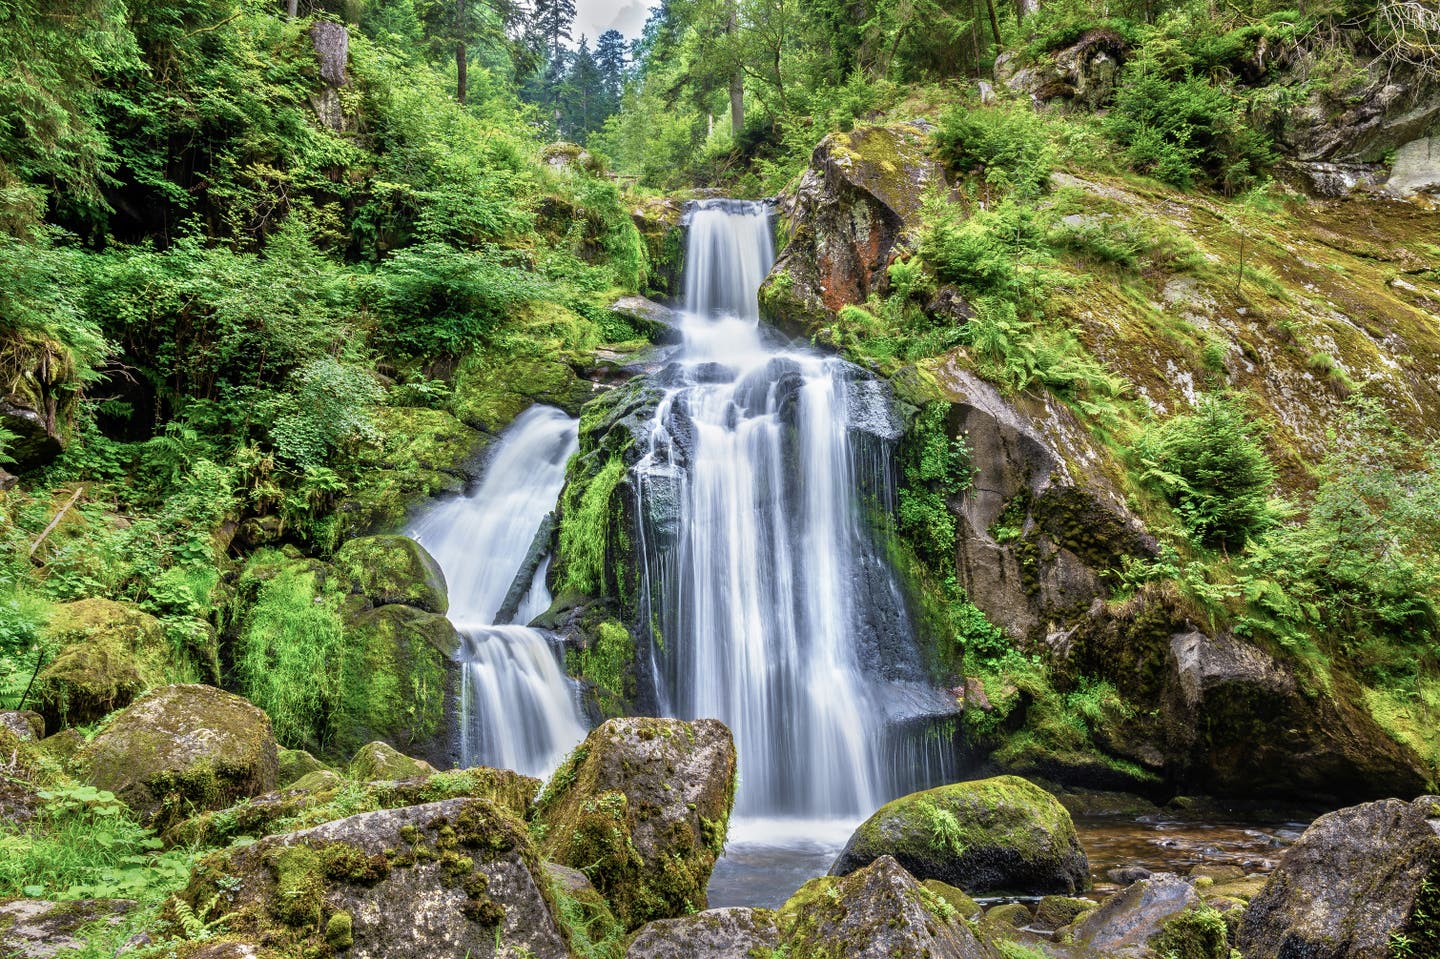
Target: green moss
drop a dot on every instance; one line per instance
(1197, 933)
(607, 665)
(589, 925)
(394, 677)
(588, 529)
(379, 761)
(339, 931)
(962, 905)
(392, 569)
(109, 653)
(492, 389)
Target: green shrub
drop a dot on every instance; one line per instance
(1212, 468)
(1008, 142)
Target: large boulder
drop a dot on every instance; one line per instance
(879, 912)
(453, 878)
(109, 653)
(855, 208)
(992, 835)
(378, 761)
(1082, 75)
(40, 928)
(182, 749)
(642, 808)
(393, 569)
(1354, 882)
(737, 933)
(1127, 921)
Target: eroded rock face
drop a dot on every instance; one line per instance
(37, 440)
(1398, 105)
(991, 835)
(854, 209)
(642, 807)
(452, 878)
(737, 933)
(879, 912)
(1044, 488)
(1356, 878)
(182, 749)
(1083, 74)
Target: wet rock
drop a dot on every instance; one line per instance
(1356, 878)
(8, 480)
(1217, 873)
(641, 807)
(110, 653)
(393, 569)
(659, 322)
(965, 907)
(452, 878)
(854, 210)
(24, 725)
(1055, 912)
(39, 928)
(738, 933)
(1125, 922)
(332, 48)
(380, 761)
(178, 750)
(1125, 875)
(991, 835)
(878, 912)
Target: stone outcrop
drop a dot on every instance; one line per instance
(109, 653)
(451, 878)
(40, 928)
(642, 807)
(178, 750)
(1357, 878)
(854, 210)
(332, 48)
(393, 569)
(984, 837)
(879, 912)
(1126, 922)
(1082, 75)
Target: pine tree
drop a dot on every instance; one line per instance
(611, 56)
(553, 22)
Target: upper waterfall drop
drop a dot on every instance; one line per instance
(518, 709)
(763, 589)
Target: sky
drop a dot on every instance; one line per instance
(594, 17)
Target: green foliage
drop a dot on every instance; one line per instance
(327, 408)
(944, 828)
(289, 655)
(606, 664)
(23, 651)
(936, 465)
(1008, 143)
(84, 845)
(585, 528)
(1212, 468)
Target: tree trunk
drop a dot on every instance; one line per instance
(462, 62)
(292, 8)
(994, 21)
(737, 79)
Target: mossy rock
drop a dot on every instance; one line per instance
(110, 653)
(1056, 912)
(1125, 922)
(1197, 933)
(965, 907)
(453, 878)
(381, 500)
(878, 912)
(591, 927)
(377, 761)
(734, 933)
(178, 750)
(642, 807)
(422, 439)
(295, 764)
(40, 928)
(490, 391)
(1003, 922)
(324, 796)
(392, 569)
(25, 725)
(991, 835)
(398, 660)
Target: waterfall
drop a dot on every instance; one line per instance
(759, 575)
(518, 709)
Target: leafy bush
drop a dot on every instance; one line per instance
(1008, 142)
(327, 408)
(1212, 468)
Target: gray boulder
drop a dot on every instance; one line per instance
(737, 933)
(453, 878)
(1354, 880)
(39, 928)
(1124, 923)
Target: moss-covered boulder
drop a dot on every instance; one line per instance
(878, 912)
(397, 663)
(40, 928)
(490, 391)
(642, 807)
(1357, 879)
(992, 835)
(109, 653)
(455, 878)
(324, 796)
(589, 923)
(1127, 921)
(393, 569)
(178, 750)
(1056, 912)
(377, 762)
(295, 764)
(24, 724)
(737, 933)
(1196, 933)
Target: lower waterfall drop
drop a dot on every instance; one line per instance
(518, 709)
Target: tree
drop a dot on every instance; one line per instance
(579, 110)
(611, 57)
(552, 22)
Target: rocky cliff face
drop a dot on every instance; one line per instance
(1052, 514)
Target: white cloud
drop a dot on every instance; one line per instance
(594, 17)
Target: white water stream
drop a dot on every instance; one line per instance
(518, 709)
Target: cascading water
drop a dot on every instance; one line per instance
(767, 596)
(518, 709)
